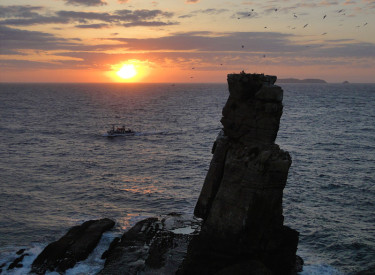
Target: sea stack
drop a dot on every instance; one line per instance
(243, 229)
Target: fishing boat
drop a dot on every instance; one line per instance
(119, 132)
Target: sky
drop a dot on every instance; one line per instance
(185, 40)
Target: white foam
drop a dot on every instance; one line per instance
(184, 231)
(320, 269)
(92, 265)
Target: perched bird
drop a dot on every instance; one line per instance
(265, 27)
(305, 25)
(324, 16)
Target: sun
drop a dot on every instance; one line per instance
(127, 71)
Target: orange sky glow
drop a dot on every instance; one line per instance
(185, 41)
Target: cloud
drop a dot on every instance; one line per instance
(205, 11)
(19, 11)
(92, 26)
(86, 2)
(328, 3)
(350, 2)
(138, 15)
(149, 24)
(209, 49)
(15, 39)
(245, 15)
(25, 16)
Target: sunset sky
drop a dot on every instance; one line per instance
(185, 40)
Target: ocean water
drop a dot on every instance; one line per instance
(57, 170)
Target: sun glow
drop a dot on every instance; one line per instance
(127, 71)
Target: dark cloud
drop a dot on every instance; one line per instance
(149, 24)
(25, 16)
(206, 41)
(86, 2)
(245, 15)
(209, 48)
(141, 15)
(205, 11)
(19, 11)
(35, 21)
(83, 17)
(92, 26)
(15, 39)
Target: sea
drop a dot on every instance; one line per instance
(57, 169)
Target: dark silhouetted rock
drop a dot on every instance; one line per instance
(152, 246)
(241, 199)
(19, 252)
(368, 271)
(73, 247)
(17, 262)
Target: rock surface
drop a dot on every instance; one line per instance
(368, 271)
(152, 246)
(241, 199)
(73, 247)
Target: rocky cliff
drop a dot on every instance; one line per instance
(241, 199)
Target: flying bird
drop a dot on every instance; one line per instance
(340, 11)
(305, 25)
(324, 33)
(324, 16)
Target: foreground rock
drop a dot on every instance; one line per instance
(152, 246)
(73, 247)
(241, 199)
(368, 271)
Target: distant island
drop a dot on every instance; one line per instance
(295, 80)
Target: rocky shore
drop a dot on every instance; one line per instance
(238, 226)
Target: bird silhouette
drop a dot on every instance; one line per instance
(324, 16)
(243, 46)
(365, 24)
(305, 25)
(340, 11)
(324, 33)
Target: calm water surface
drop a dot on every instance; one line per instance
(57, 169)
